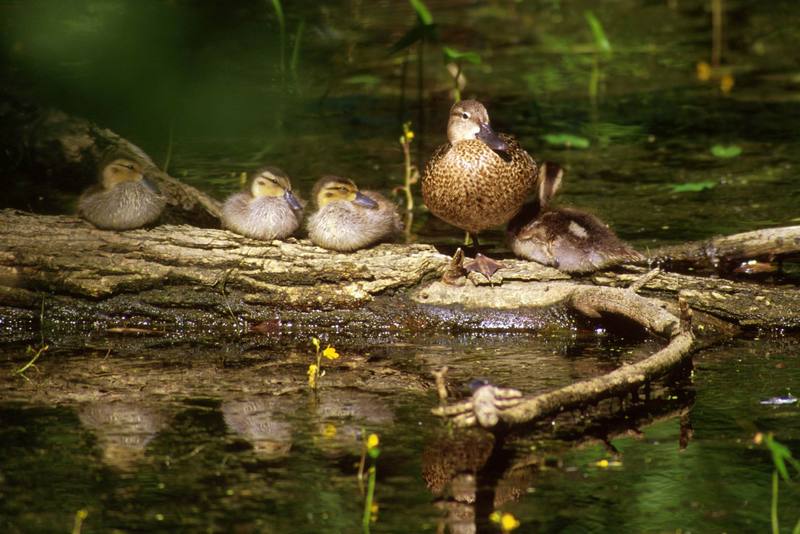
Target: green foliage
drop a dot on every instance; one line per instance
(726, 151)
(423, 13)
(600, 39)
(566, 140)
(451, 54)
(780, 456)
(694, 187)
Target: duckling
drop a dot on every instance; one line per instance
(266, 208)
(568, 239)
(478, 179)
(348, 219)
(123, 199)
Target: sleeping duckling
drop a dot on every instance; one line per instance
(565, 238)
(266, 209)
(348, 219)
(123, 200)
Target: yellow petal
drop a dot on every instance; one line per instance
(508, 522)
(315, 341)
(703, 71)
(372, 441)
(330, 353)
(602, 463)
(726, 83)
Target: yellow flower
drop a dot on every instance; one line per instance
(726, 83)
(409, 135)
(315, 341)
(330, 353)
(703, 71)
(329, 430)
(508, 523)
(312, 375)
(602, 463)
(372, 441)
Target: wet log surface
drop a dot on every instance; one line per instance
(187, 280)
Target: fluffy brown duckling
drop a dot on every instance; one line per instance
(478, 179)
(266, 208)
(123, 199)
(348, 219)
(568, 239)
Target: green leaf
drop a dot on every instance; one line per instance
(600, 39)
(422, 12)
(694, 187)
(780, 454)
(454, 55)
(726, 151)
(566, 140)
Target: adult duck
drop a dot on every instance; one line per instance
(478, 179)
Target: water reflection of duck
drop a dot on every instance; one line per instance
(565, 238)
(266, 208)
(348, 219)
(478, 179)
(123, 199)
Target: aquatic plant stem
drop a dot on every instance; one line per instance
(32, 362)
(298, 36)
(276, 5)
(170, 141)
(456, 89)
(716, 32)
(774, 508)
(365, 519)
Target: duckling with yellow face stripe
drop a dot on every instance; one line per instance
(348, 219)
(123, 199)
(266, 209)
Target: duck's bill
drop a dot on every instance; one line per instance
(363, 200)
(492, 140)
(150, 185)
(290, 199)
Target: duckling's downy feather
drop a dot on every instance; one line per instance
(260, 218)
(126, 206)
(344, 226)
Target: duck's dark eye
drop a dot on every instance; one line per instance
(465, 115)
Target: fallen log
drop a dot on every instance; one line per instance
(48, 150)
(183, 279)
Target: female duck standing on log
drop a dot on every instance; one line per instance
(479, 179)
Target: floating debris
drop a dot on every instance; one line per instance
(780, 401)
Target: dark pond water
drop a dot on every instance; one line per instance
(186, 439)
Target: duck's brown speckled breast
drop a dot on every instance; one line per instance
(470, 186)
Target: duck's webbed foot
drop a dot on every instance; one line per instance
(455, 273)
(484, 265)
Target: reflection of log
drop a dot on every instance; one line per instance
(592, 301)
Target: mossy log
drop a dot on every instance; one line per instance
(184, 280)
